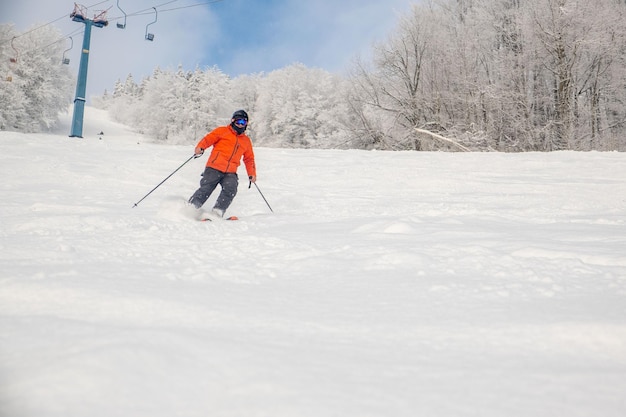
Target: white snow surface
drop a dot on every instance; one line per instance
(384, 283)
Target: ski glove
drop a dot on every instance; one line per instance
(198, 152)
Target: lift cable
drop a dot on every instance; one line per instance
(58, 40)
(78, 31)
(150, 10)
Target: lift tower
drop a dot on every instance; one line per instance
(79, 15)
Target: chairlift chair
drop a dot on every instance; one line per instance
(150, 36)
(13, 60)
(121, 25)
(66, 61)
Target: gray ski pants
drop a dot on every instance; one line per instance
(210, 178)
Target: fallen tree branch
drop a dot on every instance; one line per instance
(444, 139)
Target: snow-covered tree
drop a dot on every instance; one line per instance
(211, 100)
(35, 86)
(123, 103)
(391, 95)
(582, 44)
(300, 107)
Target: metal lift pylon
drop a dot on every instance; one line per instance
(79, 15)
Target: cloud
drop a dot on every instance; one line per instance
(238, 36)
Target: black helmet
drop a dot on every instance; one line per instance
(240, 114)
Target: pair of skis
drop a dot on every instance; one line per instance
(207, 219)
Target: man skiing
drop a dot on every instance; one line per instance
(230, 144)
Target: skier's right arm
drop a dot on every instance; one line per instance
(201, 146)
(205, 143)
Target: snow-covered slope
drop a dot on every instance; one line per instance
(384, 284)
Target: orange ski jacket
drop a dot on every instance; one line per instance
(228, 149)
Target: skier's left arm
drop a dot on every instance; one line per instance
(248, 160)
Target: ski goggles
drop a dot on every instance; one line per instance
(241, 122)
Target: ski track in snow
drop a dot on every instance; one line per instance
(385, 283)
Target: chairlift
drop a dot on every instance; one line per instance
(13, 60)
(121, 25)
(150, 36)
(66, 61)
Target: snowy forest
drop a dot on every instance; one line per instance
(479, 75)
(34, 84)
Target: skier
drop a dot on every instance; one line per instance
(230, 144)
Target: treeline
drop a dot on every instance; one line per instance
(508, 75)
(290, 107)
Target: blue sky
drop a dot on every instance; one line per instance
(238, 36)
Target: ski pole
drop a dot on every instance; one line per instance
(257, 187)
(166, 178)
